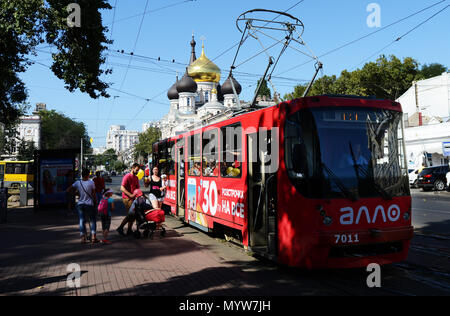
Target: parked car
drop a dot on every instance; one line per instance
(448, 181)
(107, 177)
(433, 178)
(413, 174)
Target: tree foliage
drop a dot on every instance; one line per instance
(119, 166)
(78, 58)
(25, 150)
(432, 70)
(387, 78)
(61, 132)
(264, 90)
(146, 141)
(107, 159)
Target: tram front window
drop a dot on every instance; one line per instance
(346, 153)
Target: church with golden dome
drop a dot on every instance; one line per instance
(198, 98)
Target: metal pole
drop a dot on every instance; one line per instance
(260, 83)
(319, 66)
(81, 162)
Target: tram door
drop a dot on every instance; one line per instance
(180, 179)
(262, 193)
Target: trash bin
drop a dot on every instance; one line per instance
(3, 204)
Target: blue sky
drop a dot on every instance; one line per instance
(167, 31)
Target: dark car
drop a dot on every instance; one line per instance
(433, 177)
(107, 177)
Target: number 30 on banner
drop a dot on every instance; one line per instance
(210, 197)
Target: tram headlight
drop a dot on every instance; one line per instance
(327, 220)
(406, 216)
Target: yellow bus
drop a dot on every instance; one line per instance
(16, 174)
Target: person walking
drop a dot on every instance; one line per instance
(99, 182)
(86, 205)
(156, 187)
(129, 183)
(105, 207)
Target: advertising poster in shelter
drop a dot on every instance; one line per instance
(56, 175)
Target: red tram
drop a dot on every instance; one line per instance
(316, 182)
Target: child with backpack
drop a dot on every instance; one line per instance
(105, 207)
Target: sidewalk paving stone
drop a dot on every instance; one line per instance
(37, 247)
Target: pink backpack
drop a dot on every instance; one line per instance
(103, 207)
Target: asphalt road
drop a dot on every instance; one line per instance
(431, 211)
(425, 272)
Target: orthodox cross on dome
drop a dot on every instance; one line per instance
(193, 57)
(203, 39)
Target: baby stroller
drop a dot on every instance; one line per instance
(148, 219)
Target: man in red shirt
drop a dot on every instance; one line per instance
(99, 182)
(129, 183)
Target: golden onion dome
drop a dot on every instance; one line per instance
(203, 69)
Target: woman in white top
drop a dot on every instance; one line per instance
(86, 205)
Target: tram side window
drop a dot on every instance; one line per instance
(194, 156)
(165, 160)
(231, 164)
(210, 157)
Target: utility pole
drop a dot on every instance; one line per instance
(81, 162)
(416, 93)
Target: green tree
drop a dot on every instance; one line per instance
(8, 134)
(432, 70)
(119, 166)
(298, 92)
(61, 132)
(108, 159)
(26, 150)
(146, 141)
(264, 90)
(387, 78)
(79, 50)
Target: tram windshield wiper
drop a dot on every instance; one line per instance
(344, 190)
(384, 193)
(360, 170)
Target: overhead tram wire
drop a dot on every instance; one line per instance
(184, 65)
(154, 10)
(232, 47)
(146, 102)
(402, 36)
(131, 58)
(106, 63)
(364, 37)
(135, 44)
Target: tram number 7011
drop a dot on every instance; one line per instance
(346, 238)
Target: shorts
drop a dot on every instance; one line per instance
(152, 197)
(127, 203)
(106, 222)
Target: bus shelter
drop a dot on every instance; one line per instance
(54, 173)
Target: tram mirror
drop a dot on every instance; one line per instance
(299, 158)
